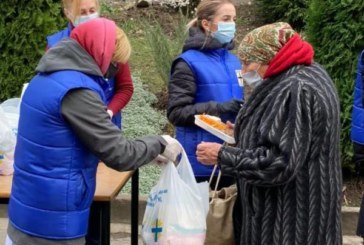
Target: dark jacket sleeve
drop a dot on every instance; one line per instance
(182, 92)
(277, 158)
(84, 111)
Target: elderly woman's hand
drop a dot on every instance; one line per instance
(230, 125)
(207, 152)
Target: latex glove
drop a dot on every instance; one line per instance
(110, 113)
(173, 148)
(231, 106)
(160, 160)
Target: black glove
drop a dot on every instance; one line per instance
(231, 106)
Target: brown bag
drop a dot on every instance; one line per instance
(219, 221)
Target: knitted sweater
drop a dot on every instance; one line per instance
(287, 161)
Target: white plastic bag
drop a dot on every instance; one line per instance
(11, 108)
(7, 136)
(7, 145)
(9, 118)
(176, 208)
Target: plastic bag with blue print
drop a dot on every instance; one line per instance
(177, 207)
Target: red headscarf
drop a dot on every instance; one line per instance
(294, 52)
(276, 45)
(98, 38)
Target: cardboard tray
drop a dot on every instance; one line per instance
(227, 138)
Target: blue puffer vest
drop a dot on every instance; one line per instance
(53, 39)
(55, 175)
(357, 123)
(216, 80)
(109, 88)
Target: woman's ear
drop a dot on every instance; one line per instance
(68, 14)
(205, 25)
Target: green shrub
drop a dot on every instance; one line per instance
(140, 119)
(165, 48)
(335, 28)
(289, 11)
(24, 26)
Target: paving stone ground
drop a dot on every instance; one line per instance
(120, 234)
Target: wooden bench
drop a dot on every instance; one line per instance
(108, 184)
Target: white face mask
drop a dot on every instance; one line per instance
(252, 78)
(85, 18)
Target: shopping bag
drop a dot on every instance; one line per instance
(176, 207)
(219, 220)
(7, 145)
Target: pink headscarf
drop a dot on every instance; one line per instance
(98, 38)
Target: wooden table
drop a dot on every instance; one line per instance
(108, 184)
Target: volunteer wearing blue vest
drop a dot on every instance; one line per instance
(118, 88)
(64, 130)
(357, 131)
(203, 79)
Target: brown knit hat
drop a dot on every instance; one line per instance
(263, 43)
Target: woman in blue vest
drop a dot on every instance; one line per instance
(203, 79)
(64, 130)
(357, 131)
(118, 85)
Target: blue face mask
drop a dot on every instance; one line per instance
(225, 32)
(85, 18)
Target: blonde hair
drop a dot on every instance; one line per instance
(74, 6)
(122, 47)
(206, 10)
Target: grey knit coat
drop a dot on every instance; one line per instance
(286, 161)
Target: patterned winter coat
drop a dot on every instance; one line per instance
(287, 161)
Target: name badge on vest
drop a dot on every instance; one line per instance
(239, 77)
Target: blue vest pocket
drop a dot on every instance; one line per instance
(84, 190)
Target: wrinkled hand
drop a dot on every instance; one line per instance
(229, 128)
(207, 152)
(231, 106)
(230, 125)
(173, 148)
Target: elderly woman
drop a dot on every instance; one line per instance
(286, 160)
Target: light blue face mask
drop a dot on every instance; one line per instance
(85, 18)
(252, 78)
(225, 32)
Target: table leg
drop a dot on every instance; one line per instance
(4, 200)
(99, 224)
(134, 207)
(105, 223)
(94, 232)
